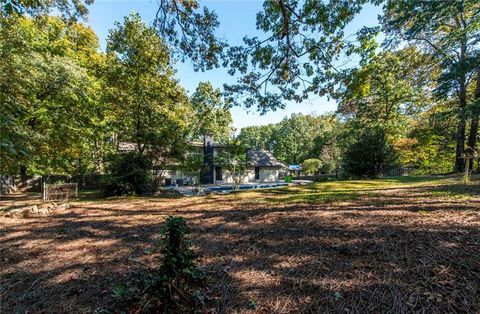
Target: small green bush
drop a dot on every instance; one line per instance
(175, 288)
(175, 285)
(311, 166)
(128, 173)
(328, 167)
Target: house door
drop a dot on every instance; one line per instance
(257, 173)
(218, 174)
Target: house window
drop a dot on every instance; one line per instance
(257, 173)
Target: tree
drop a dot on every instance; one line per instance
(49, 94)
(311, 166)
(450, 30)
(212, 113)
(146, 105)
(387, 89)
(259, 137)
(128, 173)
(294, 138)
(190, 32)
(234, 160)
(370, 156)
(299, 54)
(192, 167)
(71, 9)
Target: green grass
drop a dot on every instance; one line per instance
(339, 191)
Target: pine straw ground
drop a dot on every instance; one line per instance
(393, 246)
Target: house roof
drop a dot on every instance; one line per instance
(263, 158)
(125, 147)
(257, 157)
(200, 144)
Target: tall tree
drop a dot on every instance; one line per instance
(260, 137)
(475, 113)
(190, 30)
(299, 54)
(147, 106)
(450, 30)
(212, 113)
(294, 138)
(48, 92)
(389, 87)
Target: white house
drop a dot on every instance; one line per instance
(263, 166)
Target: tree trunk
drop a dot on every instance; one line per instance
(462, 96)
(460, 139)
(23, 171)
(461, 126)
(472, 138)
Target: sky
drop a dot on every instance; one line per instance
(237, 19)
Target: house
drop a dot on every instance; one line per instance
(263, 166)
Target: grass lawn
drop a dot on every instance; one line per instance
(392, 245)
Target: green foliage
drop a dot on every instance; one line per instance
(258, 137)
(450, 32)
(328, 166)
(387, 89)
(192, 167)
(145, 103)
(212, 113)
(303, 40)
(311, 166)
(370, 156)
(297, 138)
(234, 159)
(70, 9)
(128, 173)
(190, 30)
(175, 287)
(49, 96)
(294, 138)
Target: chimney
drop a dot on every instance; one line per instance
(207, 173)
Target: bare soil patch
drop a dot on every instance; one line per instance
(394, 249)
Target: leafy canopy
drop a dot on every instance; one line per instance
(146, 104)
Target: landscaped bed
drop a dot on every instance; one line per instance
(406, 245)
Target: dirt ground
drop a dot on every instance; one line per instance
(384, 247)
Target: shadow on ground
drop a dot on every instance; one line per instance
(401, 249)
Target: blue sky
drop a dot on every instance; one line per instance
(237, 18)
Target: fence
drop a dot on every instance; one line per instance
(14, 183)
(59, 192)
(398, 172)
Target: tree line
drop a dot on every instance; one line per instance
(65, 104)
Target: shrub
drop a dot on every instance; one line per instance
(311, 166)
(328, 167)
(370, 156)
(128, 173)
(175, 288)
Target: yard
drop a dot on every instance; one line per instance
(388, 245)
